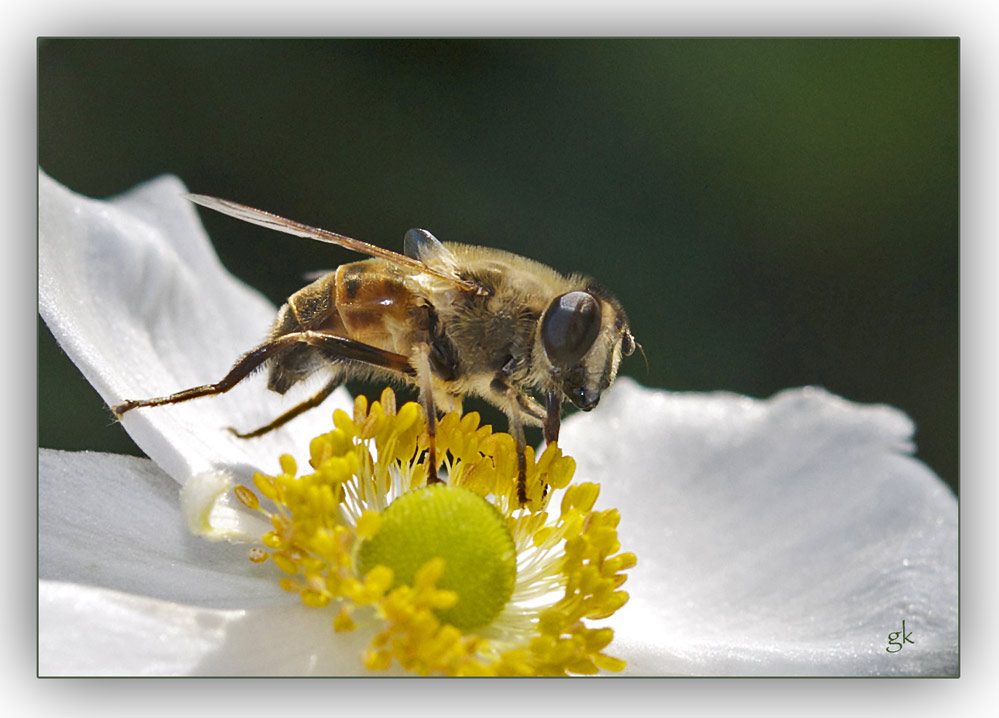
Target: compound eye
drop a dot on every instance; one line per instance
(570, 327)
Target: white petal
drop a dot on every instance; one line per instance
(135, 295)
(87, 631)
(213, 513)
(115, 521)
(780, 537)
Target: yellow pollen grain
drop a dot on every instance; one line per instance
(325, 518)
(368, 524)
(247, 497)
(343, 621)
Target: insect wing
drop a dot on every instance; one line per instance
(420, 244)
(290, 226)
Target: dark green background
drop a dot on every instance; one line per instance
(772, 213)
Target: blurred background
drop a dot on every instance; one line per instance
(772, 213)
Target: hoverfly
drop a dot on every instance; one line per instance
(450, 319)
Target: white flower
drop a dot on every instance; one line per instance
(788, 536)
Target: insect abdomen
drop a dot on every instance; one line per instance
(311, 307)
(375, 305)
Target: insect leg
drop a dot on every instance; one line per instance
(425, 381)
(240, 370)
(516, 402)
(339, 346)
(530, 407)
(517, 431)
(553, 418)
(312, 402)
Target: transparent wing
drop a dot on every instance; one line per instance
(420, 244)
(290, 226)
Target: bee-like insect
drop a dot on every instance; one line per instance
(451, 319)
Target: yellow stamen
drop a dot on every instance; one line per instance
(355, 533)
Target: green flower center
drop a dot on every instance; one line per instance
(459, 526)
(463, 601)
